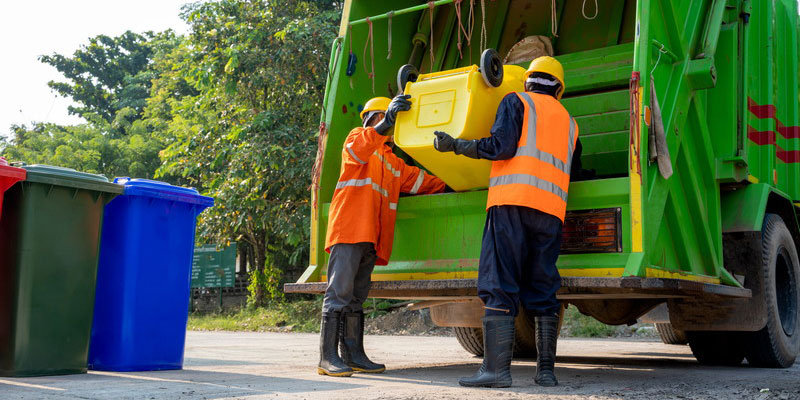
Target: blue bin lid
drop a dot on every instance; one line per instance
(162, 190)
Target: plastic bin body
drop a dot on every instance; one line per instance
(460, 103)
(8, 177)
(49, 241)
(142, 300)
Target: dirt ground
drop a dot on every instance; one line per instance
(222, 365)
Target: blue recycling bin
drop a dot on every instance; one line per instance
(142, 296)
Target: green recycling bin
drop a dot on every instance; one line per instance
(49, 245)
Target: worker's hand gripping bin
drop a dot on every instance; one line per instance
(461, 102)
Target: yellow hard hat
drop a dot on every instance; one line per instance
(376, 104)
(548, 65)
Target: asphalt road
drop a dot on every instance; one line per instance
(223, 365)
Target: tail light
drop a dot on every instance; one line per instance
(592, 231)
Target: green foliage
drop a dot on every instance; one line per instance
(297, 316)
(243, 126)
(108, 74)
(577, 324)
(231, 109)
(110, 78)
(85, 148)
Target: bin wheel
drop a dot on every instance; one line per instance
(491, 68)
(776, 345)
(406, 73)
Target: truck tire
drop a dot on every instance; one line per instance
(670, 335)
(716, 348)
(777, 344)
(471, 339)
(525, 335)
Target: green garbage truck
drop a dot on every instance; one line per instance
(688, 116)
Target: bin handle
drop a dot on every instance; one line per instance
(18, 164)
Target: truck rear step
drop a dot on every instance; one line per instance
(573, 288)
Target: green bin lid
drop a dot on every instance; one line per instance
(69, 177)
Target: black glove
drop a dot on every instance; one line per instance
(445, 142)
(399, 103)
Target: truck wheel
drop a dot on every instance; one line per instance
(471, 339)
(491, 68)
(406, 73)
(716, 348)
(525, 335)
(670, 335)
(777, 344)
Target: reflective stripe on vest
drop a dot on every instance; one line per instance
(418, 183)
(362, 182)
(353, 154)
(391, 169)
(529, 180)
(530, 148)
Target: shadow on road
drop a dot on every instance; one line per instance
(169, 384)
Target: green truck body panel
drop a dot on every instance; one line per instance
(726, 77)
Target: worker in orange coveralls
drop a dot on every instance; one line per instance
(361, 231)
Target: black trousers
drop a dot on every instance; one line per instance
(349, 270)
(518, 261)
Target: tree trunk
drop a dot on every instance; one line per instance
(260, 265)
(242, 249)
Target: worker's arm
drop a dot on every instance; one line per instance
(417, 181)
(360, 144)
(505, 133)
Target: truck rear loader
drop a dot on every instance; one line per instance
(688, 115)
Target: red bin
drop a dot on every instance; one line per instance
(8, 177)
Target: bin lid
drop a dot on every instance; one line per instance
(7, 171)
(162, 190)
(69, 177)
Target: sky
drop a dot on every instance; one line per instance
(30, 28)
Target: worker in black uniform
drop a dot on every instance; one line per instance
(535, 151)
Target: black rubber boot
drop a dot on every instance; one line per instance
(498, 347)
(352, 344)
(546, 338)
(329, 361)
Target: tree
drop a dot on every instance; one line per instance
(246, 134)
(84, 148)
(105, 75)
(111, 79)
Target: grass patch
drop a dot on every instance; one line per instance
(579, 325)
(296, 316)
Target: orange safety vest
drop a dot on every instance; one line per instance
(364, 205)
(538, 175)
